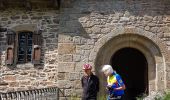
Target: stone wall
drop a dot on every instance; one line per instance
(71, 33)
(26, 76)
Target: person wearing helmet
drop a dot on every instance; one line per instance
(90, 83)
(115, 85)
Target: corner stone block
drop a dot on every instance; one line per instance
(168, 84)
(66, 67)
(64, 84)
(67, 48)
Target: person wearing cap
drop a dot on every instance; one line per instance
(90, 83)
(115, 85)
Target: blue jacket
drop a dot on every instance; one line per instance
(116, 82)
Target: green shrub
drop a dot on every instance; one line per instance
(167, 96)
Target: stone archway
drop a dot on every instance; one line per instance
(153, 49)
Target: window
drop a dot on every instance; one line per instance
(24, 47)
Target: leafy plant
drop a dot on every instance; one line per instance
(158, 98)
(167, 96)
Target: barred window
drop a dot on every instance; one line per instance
(24, 47)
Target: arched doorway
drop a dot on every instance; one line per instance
(132, 65)
(108, 46)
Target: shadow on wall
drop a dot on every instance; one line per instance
(89, 18)
(84, 17)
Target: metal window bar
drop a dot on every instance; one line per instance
(37, 94)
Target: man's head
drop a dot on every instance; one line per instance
(107, 70)
(87, 68)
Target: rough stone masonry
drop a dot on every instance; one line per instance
(88, 31)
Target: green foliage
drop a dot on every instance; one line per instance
(158, 98)
(167, 96)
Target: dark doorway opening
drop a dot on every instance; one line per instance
(132, 66)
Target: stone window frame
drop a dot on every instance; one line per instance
(12, 52)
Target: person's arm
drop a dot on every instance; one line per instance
(120, 83)
(120, 88)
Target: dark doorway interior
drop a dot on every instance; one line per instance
(131, 64)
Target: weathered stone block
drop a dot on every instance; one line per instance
(4, 19)
(76, 58)
(68, 92)
(9, 78)
(15, 17)
(61, 76)
(66, 48)
(24, 83)
(74, 76)
(3, 30)
(79, 66)
(64, 84)
(66, 67)
(36, 17)
(77, 40)
(65, 38)
(77, 83)
(25, 17)
(67, 58)
(14, 84)
(53, 30)
(56, 21)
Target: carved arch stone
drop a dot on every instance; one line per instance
(152, 47)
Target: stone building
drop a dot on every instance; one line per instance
(44, 43)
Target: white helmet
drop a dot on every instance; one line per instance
(107, 69)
